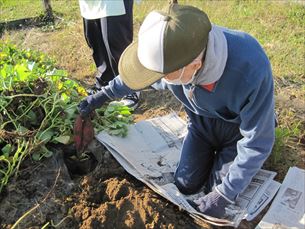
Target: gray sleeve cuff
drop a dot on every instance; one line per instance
(224, 193)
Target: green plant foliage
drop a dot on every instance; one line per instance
(283, 137)
(38, 106)
(114, 119)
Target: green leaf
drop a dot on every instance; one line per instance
(7, 149)
(58, 72)
(115, 132)
(64, 139)
(53, 78)
(71, 112)
(22, 72)
(31, 65)
(69, 84)
(36, 156)
(117, 124)
(110, 109)
(4, 71)
(22, 129)
(45, 136)
(32, 117)
(47, 153)
(41, 153)
(65, 98)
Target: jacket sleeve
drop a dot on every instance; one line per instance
(258, 130)
(116, 89)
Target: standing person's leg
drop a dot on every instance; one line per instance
(117, 34)
(120, 32)
(227, 136)
(197, 155)
(94, 38)
(120, 35)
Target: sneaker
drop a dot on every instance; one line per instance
(132, 100)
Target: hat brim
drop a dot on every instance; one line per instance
(133, 73)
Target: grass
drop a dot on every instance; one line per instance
(278, 26)
(18, 9)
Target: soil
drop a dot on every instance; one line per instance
(51, 193)
(96, 192)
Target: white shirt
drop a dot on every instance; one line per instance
(94, 9)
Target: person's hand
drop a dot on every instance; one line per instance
(91, 102)
(84, 108)
(212, 204)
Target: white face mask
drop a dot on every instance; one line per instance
(178, 80)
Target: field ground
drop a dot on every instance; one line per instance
(108, 196)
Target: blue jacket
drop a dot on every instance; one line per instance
(243, 95)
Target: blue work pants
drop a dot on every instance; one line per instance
(208, 150)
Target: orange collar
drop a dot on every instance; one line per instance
(209, 87)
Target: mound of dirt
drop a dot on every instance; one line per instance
(107, 197)
(110, 197)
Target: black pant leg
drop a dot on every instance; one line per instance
(120, 32)
(94, 38)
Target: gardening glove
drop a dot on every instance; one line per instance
(92, 102)
(213, 204)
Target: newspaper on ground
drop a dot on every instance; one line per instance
(151, 153)
(287, 209)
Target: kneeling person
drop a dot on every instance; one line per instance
(224, 80)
